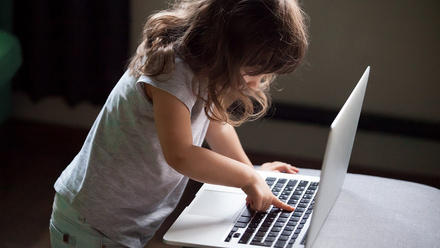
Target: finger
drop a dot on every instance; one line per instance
(274, 166)
(256, 205)
(279, 204)
(292, 169)
(261, 206)
(248, 200)
(287, 168)
(280, 167)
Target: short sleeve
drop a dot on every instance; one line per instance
(178, 83)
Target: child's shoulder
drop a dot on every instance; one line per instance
(179, 72)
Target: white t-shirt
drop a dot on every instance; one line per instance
(120, 180)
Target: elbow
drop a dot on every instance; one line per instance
(177, 159)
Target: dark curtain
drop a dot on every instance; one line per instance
(74, 48)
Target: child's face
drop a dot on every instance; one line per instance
(252, 81)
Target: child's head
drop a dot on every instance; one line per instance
(223, 40)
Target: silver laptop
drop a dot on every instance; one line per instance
(218, 215)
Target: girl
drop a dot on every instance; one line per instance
(203, 67)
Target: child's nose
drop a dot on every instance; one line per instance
(253, 81)
(254, 84)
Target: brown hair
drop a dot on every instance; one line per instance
(217, 39)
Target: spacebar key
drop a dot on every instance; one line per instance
(245, 238)
(266, 244)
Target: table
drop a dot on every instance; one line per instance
(380, 212)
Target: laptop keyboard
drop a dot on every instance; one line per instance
(277, 228)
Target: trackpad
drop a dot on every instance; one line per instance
(219, 204)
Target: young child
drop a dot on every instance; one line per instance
(203, 67)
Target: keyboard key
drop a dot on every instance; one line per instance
(245, 238)
(266, 224)
(289, 188)
(270, 239)
(298, 192)
(298, 209)
(295, 197)
(275, 210)
(302, 205)
(270, 183)
(270, 218)
(283, 198)
(285, 214)
(248, 212)
(297, 214)
(291, 241)
(292, 223)
(292, 182)
(271, 179)
(278, 224)
(283, 238)
(308, 196)
(244, 219)
(280, 244)
(292, 202)
(295, 218)
(282, 219)
(265, 244)
(240, 225)
(279, 185)
(229, 237)
(303, 183)
(289, 228)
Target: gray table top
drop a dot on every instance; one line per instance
(380, 212)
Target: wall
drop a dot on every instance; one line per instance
(398, 39)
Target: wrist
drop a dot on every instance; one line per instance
(250, 181)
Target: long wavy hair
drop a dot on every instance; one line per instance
(218, 39)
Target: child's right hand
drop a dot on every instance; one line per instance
(260, 197)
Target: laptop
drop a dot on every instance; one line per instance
(218, 215)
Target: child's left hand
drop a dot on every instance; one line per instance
(279, 167)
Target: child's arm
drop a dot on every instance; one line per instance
(223, 139)
(173, 125)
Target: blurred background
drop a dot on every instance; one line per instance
(60, 59)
